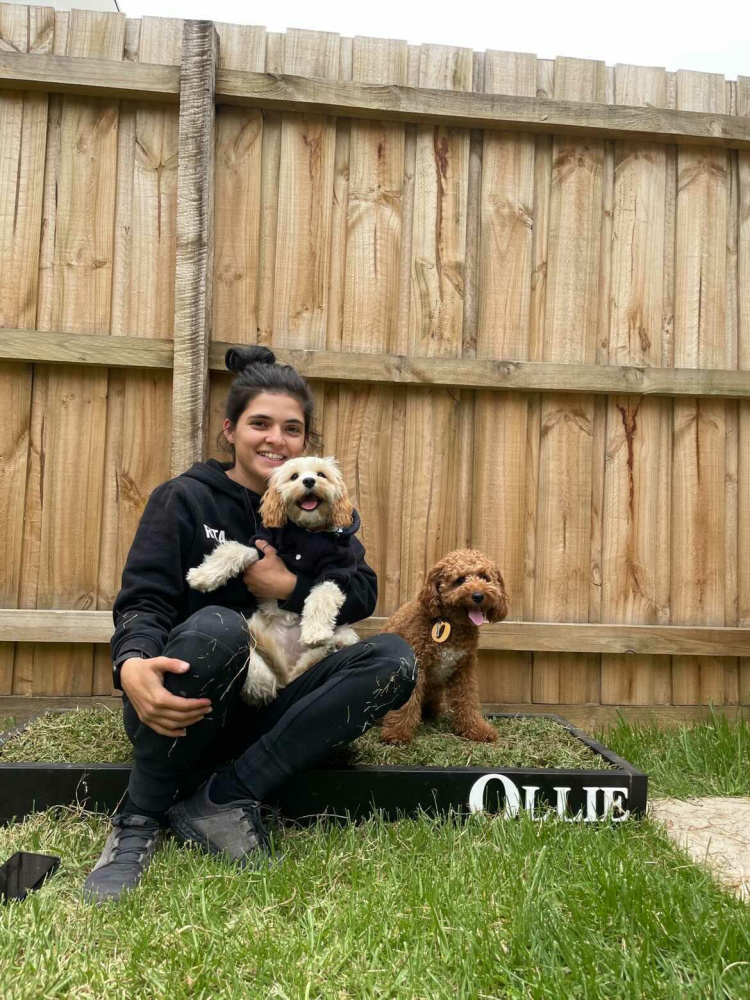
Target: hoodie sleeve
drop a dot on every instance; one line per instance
(361, 591)
(152, 596)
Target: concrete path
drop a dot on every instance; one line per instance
(712, 830)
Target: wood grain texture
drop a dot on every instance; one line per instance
(743, 361)
(239, 151)
(139, 404)
(55, 626)
(23, 138)
(431, 515)
(352, 366)
(195, 240)
(323, 96)
(699, 461)
(636, 544)
(501, 420)
(64, 511)
(493, 324)
(588, 118)
(567, 424)
(370, 419)
(303, 241)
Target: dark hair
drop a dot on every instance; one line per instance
(258, 372)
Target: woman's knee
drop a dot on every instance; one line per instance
(222, 624)
(213, 640)
(400, 652)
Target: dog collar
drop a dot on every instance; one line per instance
(440, 631)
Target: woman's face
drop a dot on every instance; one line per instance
(270, 430)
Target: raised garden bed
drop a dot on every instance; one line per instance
(540, 764)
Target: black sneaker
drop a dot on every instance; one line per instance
(126, 856)
(234, 829)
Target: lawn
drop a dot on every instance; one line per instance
(421, 908)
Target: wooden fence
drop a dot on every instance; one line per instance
(520, 287)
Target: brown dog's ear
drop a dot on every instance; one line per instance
(273, 509)
(499, 608)
(341, 515)
(429, 595)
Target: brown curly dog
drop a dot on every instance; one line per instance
(464, 590)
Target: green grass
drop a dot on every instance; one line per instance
(419, 908)
(485, 908)
(711, 757)
(80, 736)
(87, 735)
(528, 742)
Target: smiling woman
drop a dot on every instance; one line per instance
(203, 759)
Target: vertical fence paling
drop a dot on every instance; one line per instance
(195, 238)
(23, 134)
(635, 584)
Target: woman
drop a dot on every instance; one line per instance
(179, 655)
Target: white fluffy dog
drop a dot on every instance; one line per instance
(309, 496)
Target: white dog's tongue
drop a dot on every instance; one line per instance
(309, 503)
(477, 617)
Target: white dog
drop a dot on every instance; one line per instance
(307, 516)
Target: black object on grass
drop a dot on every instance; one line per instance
(24, 872)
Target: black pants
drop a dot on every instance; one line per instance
(335, 701)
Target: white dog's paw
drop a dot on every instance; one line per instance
(343, 637)
(315, 633)
(202, 578)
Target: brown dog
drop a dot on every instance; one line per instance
(463, 591)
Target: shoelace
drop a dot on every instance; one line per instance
(251, 811)
(132, 843)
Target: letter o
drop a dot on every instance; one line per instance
(512, 798)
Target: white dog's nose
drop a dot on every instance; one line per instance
(308, 482)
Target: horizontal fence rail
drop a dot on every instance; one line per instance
(394, 369)
(283, 92)
(97, 627)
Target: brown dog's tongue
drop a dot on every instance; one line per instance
(310, 503)
(477, 617)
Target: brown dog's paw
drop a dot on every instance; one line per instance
(480, 734)
(395, 736)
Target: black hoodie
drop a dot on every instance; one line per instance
(183, 521)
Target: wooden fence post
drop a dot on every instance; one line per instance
(195, 242)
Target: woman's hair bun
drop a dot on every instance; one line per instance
(238, 358)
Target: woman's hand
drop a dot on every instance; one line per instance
(269, 578)
(167, 714)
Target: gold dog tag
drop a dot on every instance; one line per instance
(441, 631)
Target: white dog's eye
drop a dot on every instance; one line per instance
(322, 475)
(295, 476)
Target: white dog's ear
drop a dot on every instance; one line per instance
(341, 514)
(429, 595)
(273, 508)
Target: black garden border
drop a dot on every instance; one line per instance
(357, 790)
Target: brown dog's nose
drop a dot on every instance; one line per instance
(308, 482)
(477, 598)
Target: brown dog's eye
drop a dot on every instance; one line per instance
(293, 477)
(461, 580)
(322, 475)
(483, 576)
